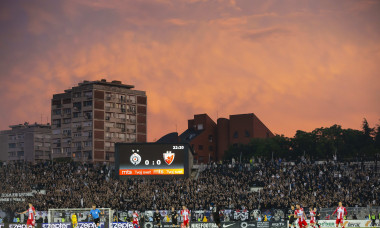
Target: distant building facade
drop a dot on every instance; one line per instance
(26, 142)
(210, 140)
(88, 119)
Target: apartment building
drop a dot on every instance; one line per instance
(88, 119)
(26, 142)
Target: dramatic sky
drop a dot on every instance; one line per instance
(295, 64)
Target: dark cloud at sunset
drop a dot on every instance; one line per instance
(295, 64)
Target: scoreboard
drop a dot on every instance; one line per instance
(152, 160)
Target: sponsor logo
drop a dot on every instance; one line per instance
(228, 225)
(135, 158)
(148, 225)
(247, 224)
(278, 224)
(262, 224)
(122, 225)
(203, 225)
(18, 226)
(169, 157)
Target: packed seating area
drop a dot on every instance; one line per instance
(76, 185)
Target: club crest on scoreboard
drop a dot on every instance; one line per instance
(135, 159)
(169, 157)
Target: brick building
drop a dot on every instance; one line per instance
(210, 140)
(88, 119)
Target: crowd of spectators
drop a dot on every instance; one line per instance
(77, 185)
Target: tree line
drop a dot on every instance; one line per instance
(321, 143)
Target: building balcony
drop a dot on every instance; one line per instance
(129, 111)
(113, 119)
(42, 157)
(87, 128)
(55, 116)
(131, 130)
(87, 108)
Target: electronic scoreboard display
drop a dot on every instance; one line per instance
(152, 159)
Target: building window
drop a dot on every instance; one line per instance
(67, 101)
(57, 112)
(78, 94)
(87, 124)
(67, 121)
(109, 156)
(76, 114)
(67, 132)
(121, 126)
(247, 134)
(56, 150)
(210, 138)
(200, 147)
(108, 115)
(200, 126)
(236, 135)
(20, 153)
(87, 103)
(12, 137)
(88, 155)
(88, 143)
(67, 110)
(57, 122)
(88, 94)
(77, 106)
(12, 145)
(210, 148)
(87, 115)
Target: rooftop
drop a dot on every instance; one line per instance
(27, 125)
(115, 83)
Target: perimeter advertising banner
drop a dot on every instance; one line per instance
(247, 224)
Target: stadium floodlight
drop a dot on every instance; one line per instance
(64, 216)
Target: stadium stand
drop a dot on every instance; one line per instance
(76, 185)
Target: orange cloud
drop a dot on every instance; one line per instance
(294, 70)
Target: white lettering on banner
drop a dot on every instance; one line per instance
(18, 226)
(278, 224)
(203, 225)
(59, 225)
(122, 225)
(346, 223)
(263, 224)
